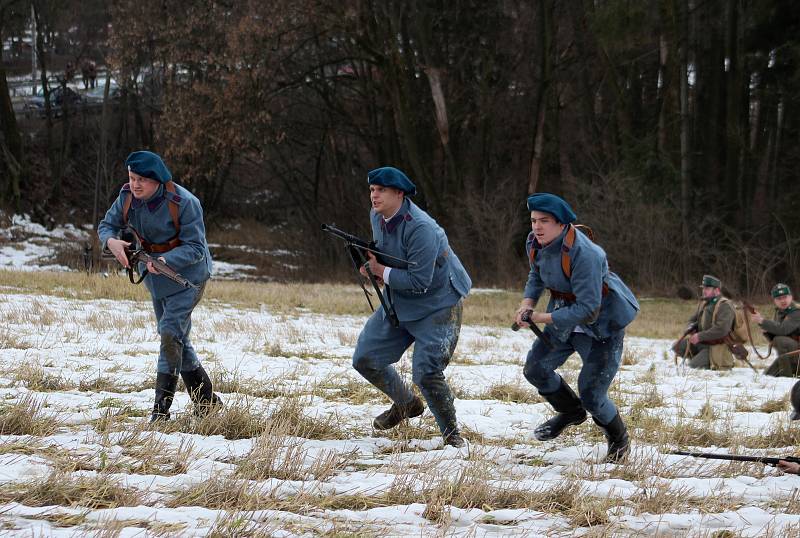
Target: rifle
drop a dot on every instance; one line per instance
(750, 309)
(357, 249)
(731, 457)
(135, 257)
(690, 329)
(526, 317)
(141, 256)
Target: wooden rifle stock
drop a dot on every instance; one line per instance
(140, 256)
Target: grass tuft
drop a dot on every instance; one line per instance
(26, 417)
(61, 488)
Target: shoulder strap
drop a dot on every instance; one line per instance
(569, 240)
(716, 309)
(126, 205)
(566, 246)
(173, 207)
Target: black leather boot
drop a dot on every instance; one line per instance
(569, 413)
(617, 436)
(439, 397)
(395, 414)
(201, 392)
(165, 391)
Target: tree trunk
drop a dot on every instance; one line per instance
(686, 180)
(544, 31)
(10, 136)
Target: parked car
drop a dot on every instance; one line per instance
(94, 96)
(57, 99)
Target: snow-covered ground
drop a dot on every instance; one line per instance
(293, 452)
(325, 472)
(28, 246)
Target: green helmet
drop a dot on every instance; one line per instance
(795, 399)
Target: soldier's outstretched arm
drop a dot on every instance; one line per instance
(789, 325)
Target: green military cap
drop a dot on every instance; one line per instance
(711, 282)
(779, 290)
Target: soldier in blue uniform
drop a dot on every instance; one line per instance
(588, 311)
(427, 297)
(167, 220)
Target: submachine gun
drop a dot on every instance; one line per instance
(357, 249)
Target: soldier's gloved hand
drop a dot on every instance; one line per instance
(117, 248)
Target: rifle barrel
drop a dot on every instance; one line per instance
(734, 457)
(357, 242)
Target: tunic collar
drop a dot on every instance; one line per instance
(402, 214)
(152, 203)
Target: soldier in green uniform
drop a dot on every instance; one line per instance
(783, 331)
(704, 343)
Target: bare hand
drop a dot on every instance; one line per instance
(152, 270)
(757, 317)
(378, 278)
(117, 248)
(789, 467)
(374, 266)
(694, 339)
(524, 306)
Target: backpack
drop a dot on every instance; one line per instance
(738, 334)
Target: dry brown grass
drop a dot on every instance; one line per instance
(224, 494)
(774, 406)
(348, 388)
(280, 453)
(237, 524)
(511, 392)
(60, 488)
(658, 318)
(27, 417)
(290, 413)
(10, 340)
(35, 378)
(236, 420)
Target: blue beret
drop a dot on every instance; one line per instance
(392, 177)
(148, 164)
(550, 203)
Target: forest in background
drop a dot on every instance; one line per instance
(673, 126)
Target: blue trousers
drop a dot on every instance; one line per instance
(380, 345)
(601, 360)
(174, 318)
